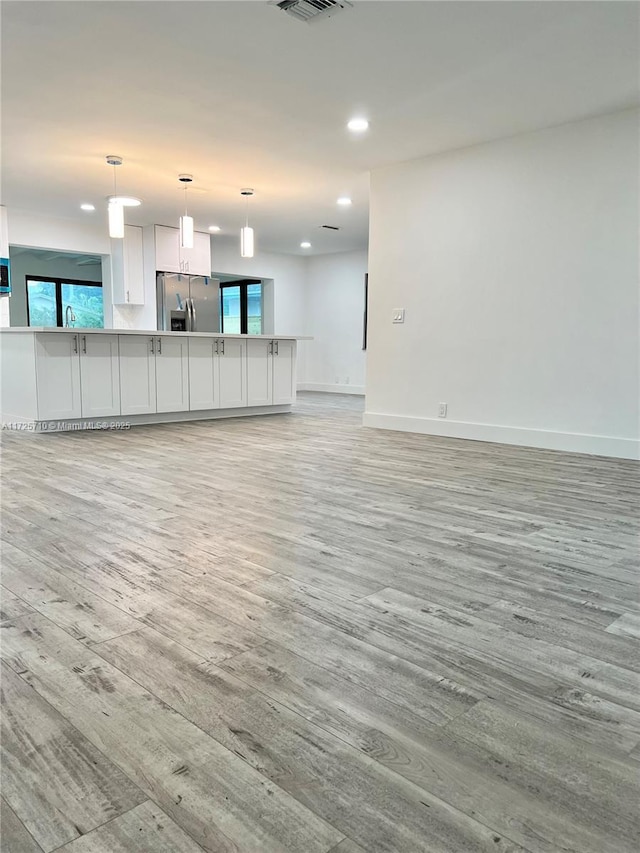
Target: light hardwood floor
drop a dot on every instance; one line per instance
(291, 633)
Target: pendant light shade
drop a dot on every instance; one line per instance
(117, 203)
(246, 233)
(186, 221)
(115, 209)
(116, 220)
(246, 242)
(186, 232)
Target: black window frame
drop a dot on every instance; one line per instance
(365, 319)
(243, 284)
(58, 283)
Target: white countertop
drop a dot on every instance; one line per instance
(149, 332)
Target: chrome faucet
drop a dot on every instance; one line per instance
(69, 316)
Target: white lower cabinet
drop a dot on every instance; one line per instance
(217, 373)
(232, 372)
(99, 375)
(271, 373)
(154, 374)
(259, 373)
(204, 388)
(172, 374)
(91, 375)
(137, 374)
(78, 375)
(284, 372)
(58, 376)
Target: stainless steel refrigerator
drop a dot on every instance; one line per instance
(187, 303)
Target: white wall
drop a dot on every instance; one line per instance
(287, 271)
(516, 263)
(335, 360)
(66, 235)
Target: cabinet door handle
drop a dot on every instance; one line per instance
(128, 300)
(216, 349)
(75, 343)
(270, 348)
(84, 344)
(222, 345)
(153, 346)
(160, 346)
(277, 347)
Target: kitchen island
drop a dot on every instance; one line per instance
(69, 379)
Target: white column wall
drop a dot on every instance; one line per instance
(516, 263)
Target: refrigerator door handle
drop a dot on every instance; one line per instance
(187, 314)
(194, 317)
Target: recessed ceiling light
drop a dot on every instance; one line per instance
(87, 207)
(344, 201)
(214, 228)
(358, 125)
(124, 200)
(305, 245)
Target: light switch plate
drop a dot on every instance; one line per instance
(398, 315)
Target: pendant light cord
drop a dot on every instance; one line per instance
(186, 187)
(247, 216)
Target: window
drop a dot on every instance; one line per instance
(50, 301)
(241, 307)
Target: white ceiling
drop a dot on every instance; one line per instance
(240, 94)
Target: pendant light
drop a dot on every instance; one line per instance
(117, 203)
(186, 221)
(246, 233)
(116, 210)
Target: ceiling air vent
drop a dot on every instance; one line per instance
(311, 11)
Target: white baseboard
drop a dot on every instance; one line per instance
(124, 422)
(331, 389)
(598, 445)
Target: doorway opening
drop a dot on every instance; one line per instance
(241, 306)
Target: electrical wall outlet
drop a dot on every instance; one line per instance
(442, 410)
(398, 315)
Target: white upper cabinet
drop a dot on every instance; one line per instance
(167, 249)
(170, 257)
(199, 258)
(127, 268)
